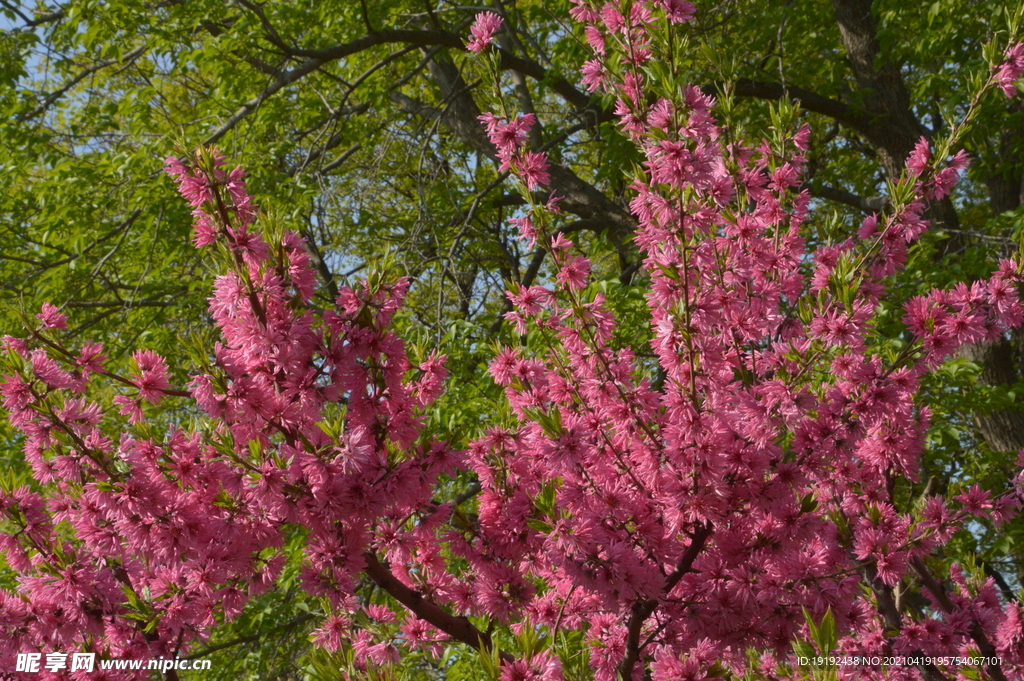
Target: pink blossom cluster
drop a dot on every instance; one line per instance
(206, 205)
(482, 31)
(685, 520)
(1010, 71)
(508, 139)
(679, 504)
(175, 530)
(623, 26)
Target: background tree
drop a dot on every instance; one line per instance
(362, 119)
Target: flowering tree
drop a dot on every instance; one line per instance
(738, 499)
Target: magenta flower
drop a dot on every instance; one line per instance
(193, 187)
(583, 13)
(130, 408)
(533, 169)
(333, 632)
(151, 377)
(1011, 70)
(574, 273)
(527, 230)
(919, 158)
(17, 345)
(507, 137)
(594, 75)
(91, 358)
(678, 11)
(482, 31)
(52, 318)
(49, 371)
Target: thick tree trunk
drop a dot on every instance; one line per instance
(885, 95)
(895, 129)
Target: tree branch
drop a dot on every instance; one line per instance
(460, 116)
(890, 612)
(538, 259)
(808, 100)
(459, 628)
(345, 155)
(645, 608)
(315, 59)
(321, 267)
(38, 19)
(998, 578)
(153, 301)
(895, 129)
(49, 100)
(977, 633)
(871, 204)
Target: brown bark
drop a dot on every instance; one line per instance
(458, 627)
(894, 129)
(643, 609)
(888, 608)
(886, 98)
(1005, 182)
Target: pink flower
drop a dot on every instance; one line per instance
(90, 358)
(332, 632)
(582, 12)
(530, 301)
(532, 168)
(919, 158)
(432, 383)
(503, 366)
(202, 390)
(195, 188)
(418, 632)
(1010, 70)
(49, 371)
(541, 667)
(678, 11)
(52, 318)
(594, 75)
(151, 377)
(975, 501)
(1010, 634)
(554, 204)
(517, 320)
(16, 392)
(482, 31)
(130, 408)
(595, 38)
(527, 231)
(613, 18)
(560, 242)
(573, 274)
(720, 452)
(507, 137)
(945, 178)
(16, 345)
(205, 231)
